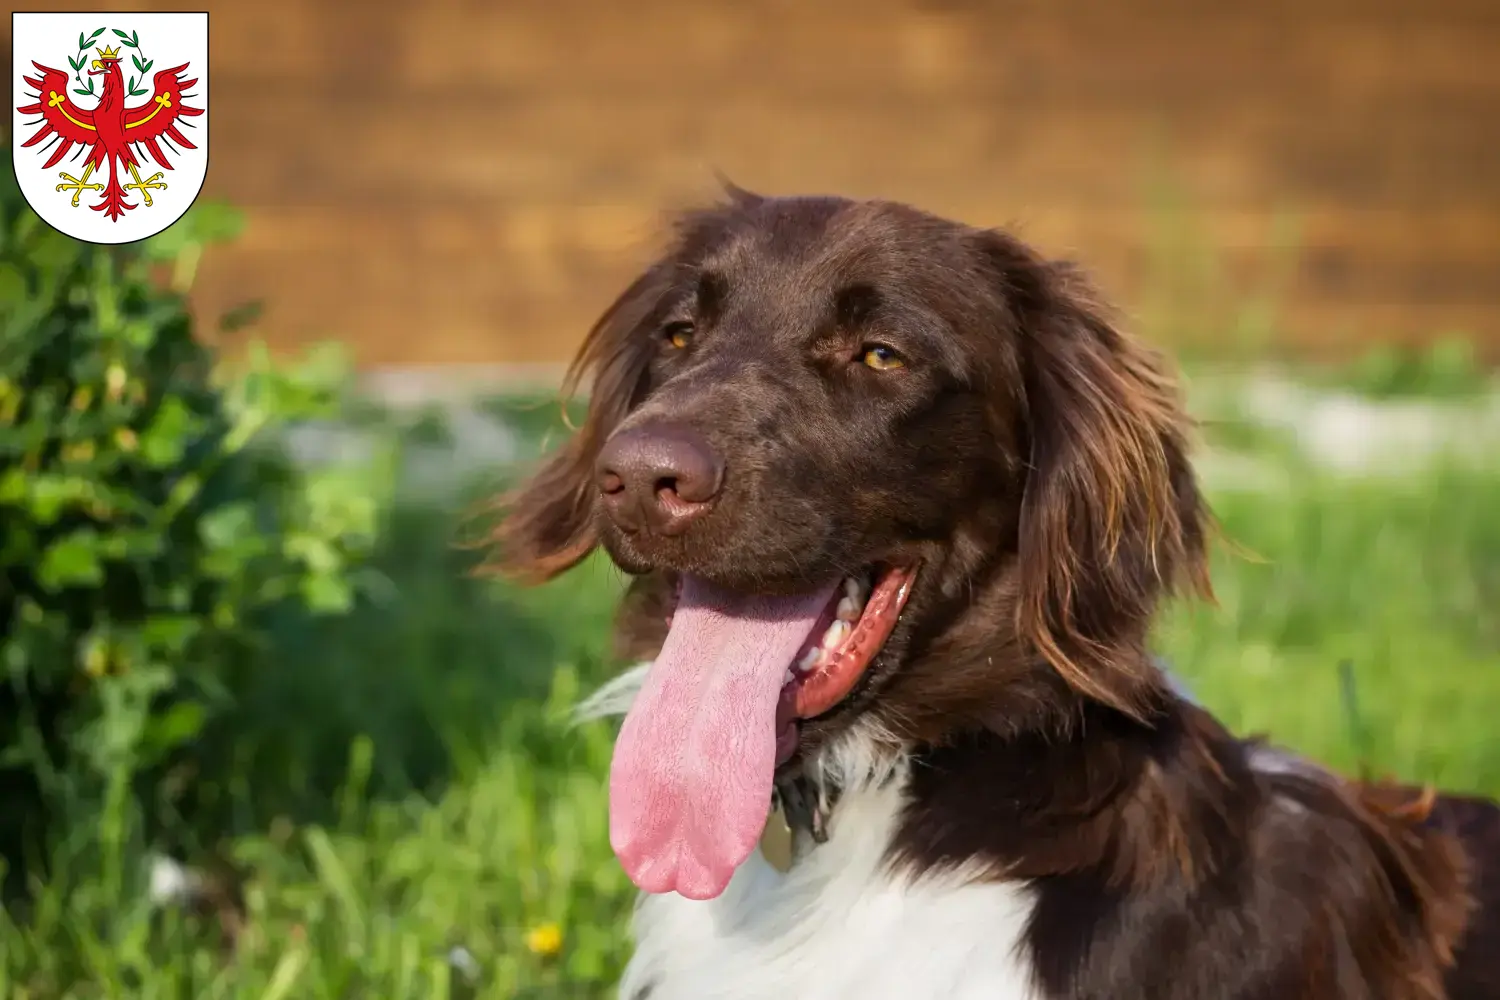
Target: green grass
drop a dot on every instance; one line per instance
(1401, 581)
(404, 782)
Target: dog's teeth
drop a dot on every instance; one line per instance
(809, 659)
(852, 589)
(789, 676)
(836, 634)
(848, 609)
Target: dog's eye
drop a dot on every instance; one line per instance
(679, 335)
(881, 358)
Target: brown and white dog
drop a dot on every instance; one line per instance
(900, 501)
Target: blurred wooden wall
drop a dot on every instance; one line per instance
(467, 181)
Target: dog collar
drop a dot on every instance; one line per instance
(798, 819)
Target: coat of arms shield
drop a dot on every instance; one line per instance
(110, 121)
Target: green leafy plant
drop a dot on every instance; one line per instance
(150, 523)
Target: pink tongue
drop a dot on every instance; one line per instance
(690, 784)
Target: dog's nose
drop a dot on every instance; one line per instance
(658, 477)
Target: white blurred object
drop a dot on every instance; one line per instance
(463, 960)
(173, 882)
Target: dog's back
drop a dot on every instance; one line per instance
(1476, 824)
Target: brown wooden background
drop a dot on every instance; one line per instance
(471, 181)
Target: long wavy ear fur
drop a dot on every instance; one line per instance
(1111, 515)
(546, 525)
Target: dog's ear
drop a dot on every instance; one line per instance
(1111, 516)
(547, 524)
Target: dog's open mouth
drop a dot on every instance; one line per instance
(691, 779)
(857, 622)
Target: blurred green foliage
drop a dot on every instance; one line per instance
(1448, 367)
(149, 521)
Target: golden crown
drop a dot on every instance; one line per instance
(108, 53)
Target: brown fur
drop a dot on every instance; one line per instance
(1033, 460)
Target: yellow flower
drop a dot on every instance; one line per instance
(545, 940)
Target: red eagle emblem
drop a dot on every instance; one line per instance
(114, 135)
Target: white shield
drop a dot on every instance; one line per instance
(110, 120)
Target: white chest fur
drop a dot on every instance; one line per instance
(838, 926)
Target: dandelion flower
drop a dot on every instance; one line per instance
(544, 940)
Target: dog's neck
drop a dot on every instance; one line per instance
(1103, 795)
(1086, 788)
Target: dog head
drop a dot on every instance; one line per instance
(877, 468)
